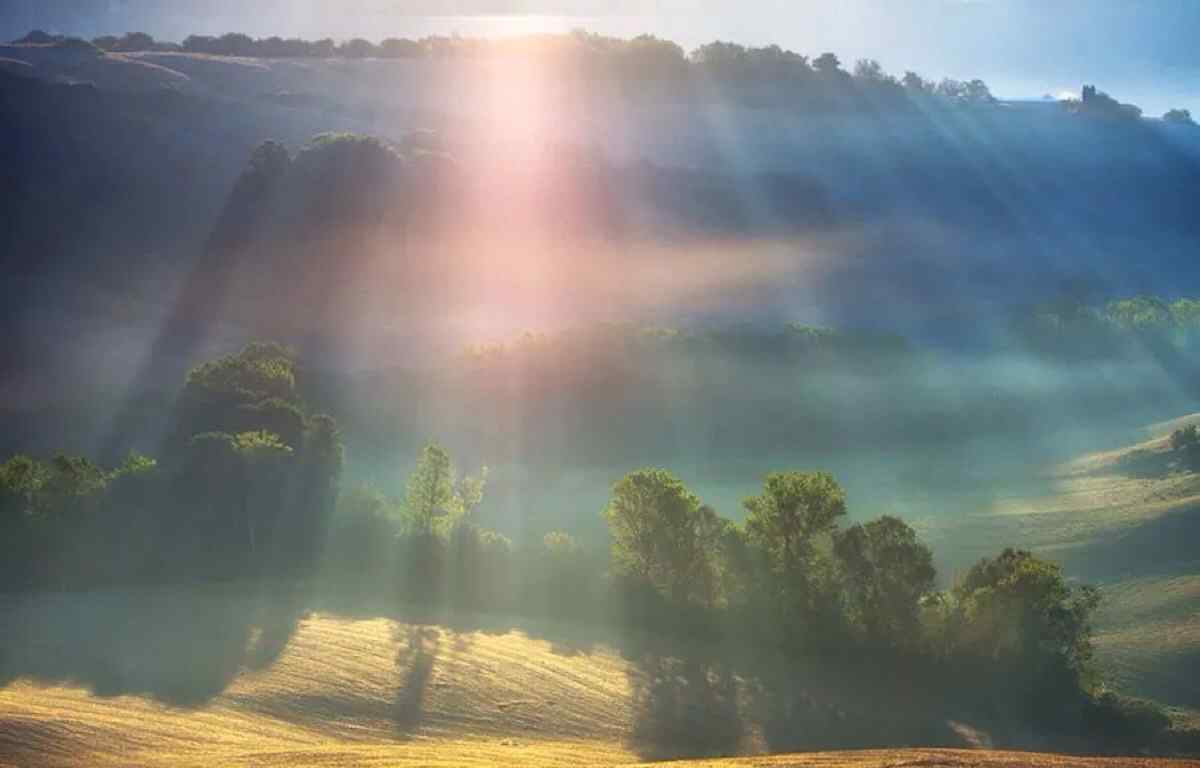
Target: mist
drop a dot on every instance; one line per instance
(748, 374)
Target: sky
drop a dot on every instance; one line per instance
(1142, 51)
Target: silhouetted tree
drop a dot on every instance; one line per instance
(1182, 116)
(916, 84)
(357, 48)
(134, 41)
(828, 65)
(870, 70)
(399, 48)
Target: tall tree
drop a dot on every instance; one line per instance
(662, 535)
(790, 524)
(436, 497)
(886, 571)
(793, 509)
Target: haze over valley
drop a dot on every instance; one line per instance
(543, 395)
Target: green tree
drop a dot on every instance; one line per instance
(436, 498)
(794, 509)
(789, 526)
(1019, 610)
(21, 480)
(72, 488)
(254, 389)
(1185, 438)
(135, 464)
(663, 536)
(886, 572)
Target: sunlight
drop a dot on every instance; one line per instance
(677, 383)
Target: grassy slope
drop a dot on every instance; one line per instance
(1125, 519)
(376, 692)
(358, 692)
(1149, 639)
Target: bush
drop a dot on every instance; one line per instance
(1187, 437)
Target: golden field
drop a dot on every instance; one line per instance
(377, 692)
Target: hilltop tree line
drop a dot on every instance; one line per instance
(645, 57)
(1077, 327)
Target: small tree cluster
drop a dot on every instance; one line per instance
(243, 489)
(793, 579)
(1185, 443)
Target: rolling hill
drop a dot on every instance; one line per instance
(134, 245)
(1127, 520)
(376, 691)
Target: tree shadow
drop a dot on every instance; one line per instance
(684, 707)
(1148, 548)
(566, 637)
(722, 699)
(806, 709)
(181, 645)
(415, 657)
(1146, 464)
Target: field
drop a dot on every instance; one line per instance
(364, 692)
(343, 692)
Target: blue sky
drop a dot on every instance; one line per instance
(1143, 51)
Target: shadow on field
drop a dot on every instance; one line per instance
(722, 703)
(826, 705)
(416, 658)
(1143, 464)
(181, 646)
(684, 707)
(1148, 548)
(567, 638)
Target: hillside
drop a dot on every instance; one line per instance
(569, 208)
(1127, 520)
(372, 692)
(596, 403)
(361, 692)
